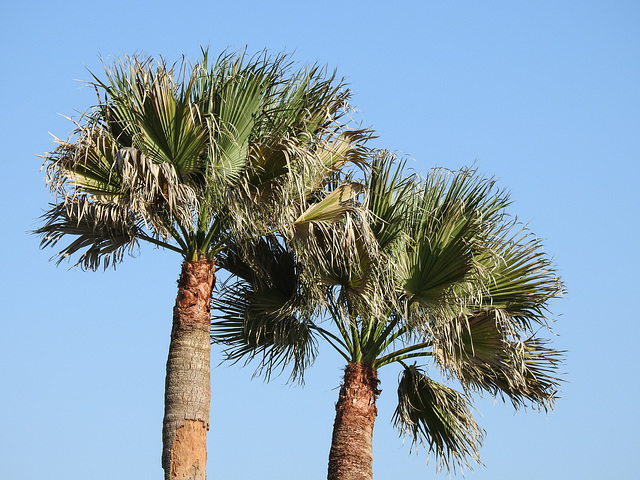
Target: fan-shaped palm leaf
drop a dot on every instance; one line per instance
(153, 112)
(262, 313)
(438, 417)
(490, 356)
(448, 229)
(103, 232)
(521, 278)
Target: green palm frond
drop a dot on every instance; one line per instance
(152, 110)
(257, 325)
(349, 266)
(389, 194)
(447, 230)
(439, 418)
(276, 124)
(238, 94)
(485, 353)
(312, 98)
(521, 277)
(289, 153)
(262, 315)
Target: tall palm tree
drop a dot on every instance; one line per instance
(197, 159)
(453, 282)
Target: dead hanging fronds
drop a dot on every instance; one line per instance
(154, 191)
(102, 232)
(287, 179)
(93, 167)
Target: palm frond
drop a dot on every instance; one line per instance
(154, 191)
(485, 353)
(96, 167)
(256, 325)
(152, 109)
(448, 229)
(520, 278)
(263, 314)
(310, 101)
(331, 209)
(389, 194)
(236, 96)
(104, 232)
(439, 418)
(286, 129)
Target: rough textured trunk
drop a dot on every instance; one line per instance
(351, 455)
(187, 387)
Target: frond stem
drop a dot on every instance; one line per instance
(181, 240)
(385, 338)
(331, 338)
(402, 353)
(162, 244)
(400, 358)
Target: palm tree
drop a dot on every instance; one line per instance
(453, 281)
(198, 159)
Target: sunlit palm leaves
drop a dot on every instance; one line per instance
(199, 156)
(522, 277)
(453, 218)
(489, 355)
(151, 109)
(452, 280)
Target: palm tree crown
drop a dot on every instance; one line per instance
(453, 280)
(192, 158)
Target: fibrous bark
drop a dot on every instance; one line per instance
(351, 455)
(187, 387)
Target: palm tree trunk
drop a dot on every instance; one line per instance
(187, 387)
(351, 455)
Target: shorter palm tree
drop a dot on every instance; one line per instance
(452, 281)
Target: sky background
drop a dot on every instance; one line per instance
(542, 95)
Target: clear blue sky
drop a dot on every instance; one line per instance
(543, 95)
